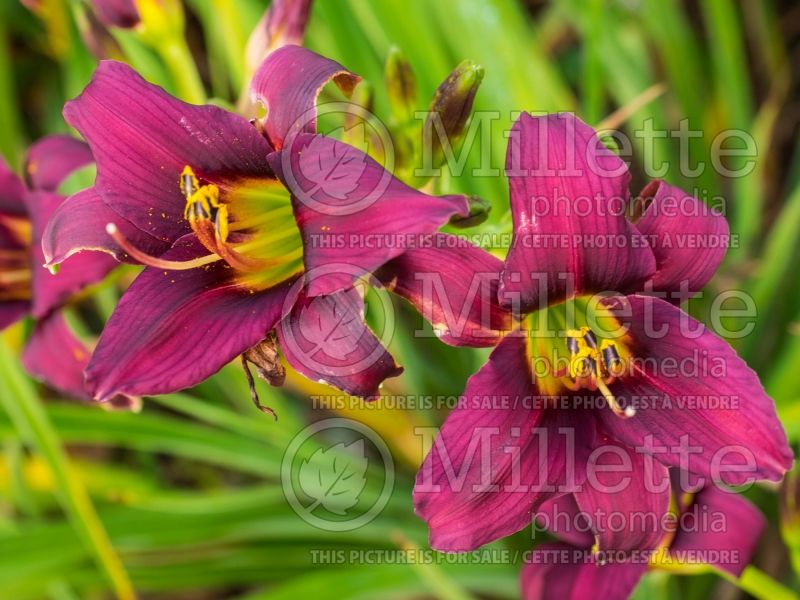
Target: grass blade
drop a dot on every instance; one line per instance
(26, 411)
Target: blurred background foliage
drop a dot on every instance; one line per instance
(188, 490)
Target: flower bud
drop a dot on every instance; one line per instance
(361, 100)
(117, 13)
(451, 108)
(401, 85)
(96, 37)
(284, 23)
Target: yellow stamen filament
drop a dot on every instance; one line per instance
(221, 224)
(592, 367)
(581, 364)
(153, 261)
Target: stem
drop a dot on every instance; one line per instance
(760, 585)
(11, 142)
(182, 68)
(23, 406)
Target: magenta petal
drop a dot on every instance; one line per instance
(710, 396)
(569, 195)
(12, 192)
(722, 528)
(56, 357)
(687, 239)
(172, 330)
(79, 223)
(12, 311)
(560, 571)
(53, 158)
(288, 82)
(563, 518)
(498, 456)
(49, 290)
(626, 507)
(354, 216)
(453, 285)
(142, 138)
(325, 338)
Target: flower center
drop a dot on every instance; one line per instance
(249, 224)
(578, 345)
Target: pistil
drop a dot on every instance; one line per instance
(153, 261)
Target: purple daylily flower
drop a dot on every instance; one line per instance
(226, 218)
(713, 527)
(52, 354)
(597, 355)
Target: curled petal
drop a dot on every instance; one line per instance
(559, 571)
(288, 82)
(625, 498)
(142, 138)
(325, 338)
(56, 357)
(79, 223)
(51, 160)
(569, 196)
(688, 239)
(453, 285)
(498, 456)
(722, 527)
(52, 290)
(698, 405)
(173, 329)
(351, 211)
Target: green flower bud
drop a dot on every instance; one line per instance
(451, 108)
(401, 85)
